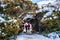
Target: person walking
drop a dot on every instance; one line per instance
(27, 27)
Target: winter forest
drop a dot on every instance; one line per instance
(44, 19)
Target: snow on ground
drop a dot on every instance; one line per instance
(57, 39)
(31, 37)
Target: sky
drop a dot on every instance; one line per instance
(41, 2)
(36, 1)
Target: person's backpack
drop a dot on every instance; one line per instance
(28, 26)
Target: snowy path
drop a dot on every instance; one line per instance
(31, 37)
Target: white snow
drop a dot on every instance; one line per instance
(32, 37)
(57, 39)
(28, 16)
(3, 5)
(47, 14)
(40, 10)
(51, 36)
(1, 15)
(1, 19)
(44, 3)
(14, 20)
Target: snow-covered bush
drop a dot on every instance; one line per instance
(10, 28)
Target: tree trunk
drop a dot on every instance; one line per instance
(15, 36)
